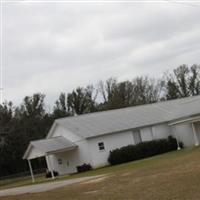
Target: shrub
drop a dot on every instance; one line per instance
(181, 145)
(83, 168)
(142, 150)
(48, 174)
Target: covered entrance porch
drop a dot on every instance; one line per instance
(46, 148)
(191, 123)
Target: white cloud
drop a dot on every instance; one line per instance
(52, 47)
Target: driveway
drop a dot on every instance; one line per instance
(44, 186)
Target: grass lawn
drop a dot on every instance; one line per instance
(21, 181)
(174, 175)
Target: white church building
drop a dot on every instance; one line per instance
(88, 138)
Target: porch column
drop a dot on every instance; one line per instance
(50, 167)
(196, 141)
(31, 170)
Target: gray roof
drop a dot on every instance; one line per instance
(51, 145)
(99, 123)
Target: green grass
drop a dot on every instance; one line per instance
(22, 181)
(175, 175)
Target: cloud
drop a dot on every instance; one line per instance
(52, 47)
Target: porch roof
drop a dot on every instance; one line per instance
(39, 148)
(185, 120)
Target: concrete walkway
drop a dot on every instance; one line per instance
(43, 186)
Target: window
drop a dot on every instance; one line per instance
(59, 161)
(137, 137)
(101, 146)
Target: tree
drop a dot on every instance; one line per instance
(27, 122)
(184, 81)
(141, 90)
(113, 94)
(6, 113)
(82, 100)
(60, 108)
(194, 85)
(33, 106)
(146, 90)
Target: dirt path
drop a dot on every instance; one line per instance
(44, 186)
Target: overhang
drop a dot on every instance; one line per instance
(39, 148)
(185, 120)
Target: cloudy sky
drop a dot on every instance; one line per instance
(53, 47)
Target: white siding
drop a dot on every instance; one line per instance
(117, 140)
(88, 150)
(62, 131)
(146, 134)
(69, 162)
(111, 141)
(184, 134)
(161, 131)
(71, 159)
(74, 157)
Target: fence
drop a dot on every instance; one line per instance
(4, 180)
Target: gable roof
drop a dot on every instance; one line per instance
(99, 123)
(48, 146)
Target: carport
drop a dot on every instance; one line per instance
(45, 148)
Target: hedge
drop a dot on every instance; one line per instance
(83, 168)
(142, 150)
(49, 175)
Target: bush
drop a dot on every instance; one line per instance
(83, 168)
(142, 150)
(181, 145)
(48, 174)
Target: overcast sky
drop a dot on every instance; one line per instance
(54, 47)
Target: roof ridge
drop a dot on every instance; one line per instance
(129, 107)
(46, 138)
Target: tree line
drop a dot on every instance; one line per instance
(31, 120)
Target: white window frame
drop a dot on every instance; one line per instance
(101, 146)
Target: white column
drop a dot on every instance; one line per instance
(31, 170)
(196, 141)
(50, 167)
